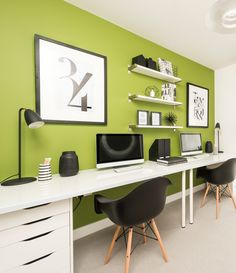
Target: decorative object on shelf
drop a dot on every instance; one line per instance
(165, 66)
(142, 117)
(198, 106)
(140, 59)
(151, 64)
(171, 118)
(218, 130)
(168, 91)
(70, 83)
(208, 147)
(33, 121)
(45, 173)
(152, 91)
(155, 118)
(175, 70)
(68, 164)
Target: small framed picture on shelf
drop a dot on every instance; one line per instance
(155, 118)
(142, 117)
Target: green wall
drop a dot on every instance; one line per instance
(19, 21)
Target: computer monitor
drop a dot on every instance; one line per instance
(119, 150)
(190, 143)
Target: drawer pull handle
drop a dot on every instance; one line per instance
(38, 236)
(37, 206)
(34, 261)
(36, 221)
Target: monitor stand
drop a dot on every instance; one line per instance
(127, 168)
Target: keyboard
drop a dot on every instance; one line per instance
(127, 168)
(196, 157)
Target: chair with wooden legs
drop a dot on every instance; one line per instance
(137, 209)
(218, 180)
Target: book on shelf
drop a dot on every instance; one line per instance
(171, 160)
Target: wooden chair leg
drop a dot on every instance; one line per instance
(205, 195)
(220, 193)
(144, 233)
(231, 195)
(110, 249)
(128, 250)
(153, 224)
(217, 202)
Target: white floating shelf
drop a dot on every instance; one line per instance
(153, 73)
(133, 126)
(154, 100)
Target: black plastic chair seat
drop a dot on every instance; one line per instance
(223, 174)
(139, 206)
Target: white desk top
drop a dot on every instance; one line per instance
(13, 198)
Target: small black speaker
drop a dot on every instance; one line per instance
(151, 64)
(208, 147)
(160, 148)
(68, 164)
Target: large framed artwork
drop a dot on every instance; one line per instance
(198, 106)
(71, 83)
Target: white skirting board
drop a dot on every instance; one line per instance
(99, 225)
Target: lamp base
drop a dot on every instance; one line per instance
(220, 152)
(18, 181)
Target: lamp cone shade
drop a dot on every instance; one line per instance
(217, 126)
(32, 119)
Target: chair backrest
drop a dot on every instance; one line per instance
(223, 174)
(139, 206)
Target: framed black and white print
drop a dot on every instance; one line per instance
(142, 117)
(155, 118)
(70, 83)
(198, 106)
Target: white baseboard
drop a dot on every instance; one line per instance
(99, 225)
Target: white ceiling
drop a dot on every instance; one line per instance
(178, 25)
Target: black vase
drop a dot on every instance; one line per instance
(68, 164)
(208, 147)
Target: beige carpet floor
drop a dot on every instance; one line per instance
(207, 246)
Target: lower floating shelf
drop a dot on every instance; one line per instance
(133, 126)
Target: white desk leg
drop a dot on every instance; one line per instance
(191, 196)
(71, 237)
(183, 198)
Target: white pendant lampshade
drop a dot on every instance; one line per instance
(221, 17)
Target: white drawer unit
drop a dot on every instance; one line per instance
(48, 263)
(37, 239)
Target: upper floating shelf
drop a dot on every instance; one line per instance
(134, 126)
(154, 100)
(153, 73)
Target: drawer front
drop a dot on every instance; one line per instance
(31, 229)
(56, 262)
(33, 248)
(17, 218)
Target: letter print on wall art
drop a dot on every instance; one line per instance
(198, 106)
(70, 83)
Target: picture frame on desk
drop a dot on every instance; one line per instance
(155, 118)
(71, 83)
(142, 117)
(197, 106)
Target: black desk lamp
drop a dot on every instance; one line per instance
(217, 127)
(33, 120)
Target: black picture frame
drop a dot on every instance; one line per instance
(197, 106)
(153, 119)
(71, 83)
(142, 117)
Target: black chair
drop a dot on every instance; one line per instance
(218, 180)
(139, 207)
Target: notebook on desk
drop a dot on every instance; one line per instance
(171, 160)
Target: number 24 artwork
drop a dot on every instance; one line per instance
(70, 83)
